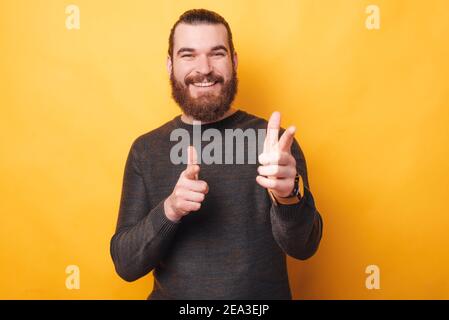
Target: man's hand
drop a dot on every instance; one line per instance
(189, 192)
(278, 167)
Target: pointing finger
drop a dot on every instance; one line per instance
(272, 137)
(192, 169)
(192, 156)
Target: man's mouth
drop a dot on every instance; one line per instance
(204, 84)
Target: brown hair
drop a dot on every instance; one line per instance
(199, 16)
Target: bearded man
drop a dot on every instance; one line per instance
(221, 230)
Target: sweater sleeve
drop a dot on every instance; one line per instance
(143, 233)
(297, 228)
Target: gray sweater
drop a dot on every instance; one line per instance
(234, 247)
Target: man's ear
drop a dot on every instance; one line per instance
(169, 65)
(236, 62)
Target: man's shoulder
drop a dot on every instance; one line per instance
(155, 136)
(254, 121)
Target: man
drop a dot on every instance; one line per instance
(217, 230)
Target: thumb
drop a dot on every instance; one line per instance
(192, 169)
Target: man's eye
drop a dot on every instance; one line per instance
(186, 56)
(220, 54)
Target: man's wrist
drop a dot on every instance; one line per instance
(298, 193)
(283, 200)
(169, 213)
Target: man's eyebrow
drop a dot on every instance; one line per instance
(215, 48)
(184, 49)
(219, 47)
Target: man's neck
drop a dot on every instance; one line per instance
(189, 120)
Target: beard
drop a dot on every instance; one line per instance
(207, 107)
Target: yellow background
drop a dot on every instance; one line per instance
(371, 108)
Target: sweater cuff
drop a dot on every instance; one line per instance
(162, 225)
(298, 211)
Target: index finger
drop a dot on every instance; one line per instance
(192, 159)
(192, 156)
(272, 136)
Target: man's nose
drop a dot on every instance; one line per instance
(204, 65)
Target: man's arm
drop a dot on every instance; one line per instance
(142, 233)
(296, 224)
(297, 228)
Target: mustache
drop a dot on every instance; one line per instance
(211, 77)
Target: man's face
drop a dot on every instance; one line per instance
(202, 75)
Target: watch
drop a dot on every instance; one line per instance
(294, 197)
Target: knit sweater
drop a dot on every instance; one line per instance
(234, 247)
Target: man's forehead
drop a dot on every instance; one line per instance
(200, 36)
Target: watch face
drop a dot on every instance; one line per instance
(294, 197)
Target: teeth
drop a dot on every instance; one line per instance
(203, 84)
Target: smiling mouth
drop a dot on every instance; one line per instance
(204, 84)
